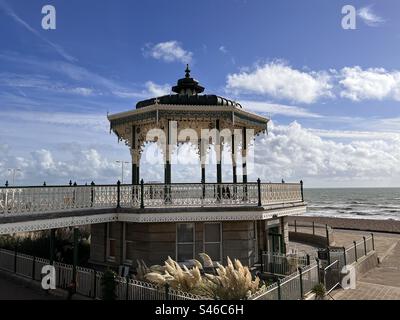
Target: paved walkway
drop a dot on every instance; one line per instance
(383, 282)
(13, 290)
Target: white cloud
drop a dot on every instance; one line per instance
(372, 83)
(369, 17)
(279, 80)
(155, 89)
(223, 49)
(78, 164)
(290, 152)
(169, 51)
(293, 152)
(273, 108)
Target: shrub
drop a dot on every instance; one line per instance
(319, 291)
(108, 285)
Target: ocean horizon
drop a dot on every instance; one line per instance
(361, 203)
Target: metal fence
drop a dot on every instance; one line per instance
(352, 253)
(331, 276)
(40, 199)
(281, 264)
(292, 287)
(88, 281)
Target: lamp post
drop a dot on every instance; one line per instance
(122, 169)
(13, 172)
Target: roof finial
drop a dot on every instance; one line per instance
(187, 75)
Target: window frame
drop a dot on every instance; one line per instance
(207, 242)
(177, 243)
(109, 258)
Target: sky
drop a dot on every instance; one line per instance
(332, 94)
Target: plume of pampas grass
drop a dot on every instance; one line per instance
(233, 282)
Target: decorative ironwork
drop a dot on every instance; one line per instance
(31, 200)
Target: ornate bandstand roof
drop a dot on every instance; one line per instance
(189, 107)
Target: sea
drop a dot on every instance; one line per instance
(361, 203)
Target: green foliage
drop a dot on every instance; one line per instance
(108, 285)
(319, 291)
(38, 244)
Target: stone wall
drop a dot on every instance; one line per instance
(154, 242)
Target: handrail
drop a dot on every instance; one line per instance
(24, 199)
(146, 184)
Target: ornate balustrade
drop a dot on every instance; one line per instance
(28, 200)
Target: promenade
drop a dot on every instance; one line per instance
(16, 290)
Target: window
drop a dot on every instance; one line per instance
(128, 250)
(111, 243)
(184, 241)
(212, 241)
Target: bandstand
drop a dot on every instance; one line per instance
(236, 218)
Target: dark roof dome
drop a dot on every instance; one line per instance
(187, 85)
(188, 90)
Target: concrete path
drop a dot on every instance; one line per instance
(383, 282)
(13, 290)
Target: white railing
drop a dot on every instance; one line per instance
(277, 193)
(85, 281)
(88, 281)
(282, 264)
(292, 287)
(31, 200)
(183, 195)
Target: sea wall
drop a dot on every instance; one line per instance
(389, 225)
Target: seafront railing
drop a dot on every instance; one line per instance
(42, 199)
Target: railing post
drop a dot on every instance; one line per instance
(15, 256)
(33, 267)
(355, 250)
(302, 191)
(279, 289)
(75, 257)
(365, 246)
(344, 256)
(52, 240)
(295, 226)
(308, 259)
(327, 235)
(328, 250)
(313, 228)
(167, 291)
(127, 288)
(118, 194)
(373, 241)
(141, 194)
(92, 194)
(259, 192)
(94, 284)
(301, 283)
(319, 270)
(6, 184)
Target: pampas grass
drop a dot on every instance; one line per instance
(233, 282)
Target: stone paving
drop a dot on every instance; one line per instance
(13, 290)
(383, 282)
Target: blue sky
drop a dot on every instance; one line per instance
(333, 94)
